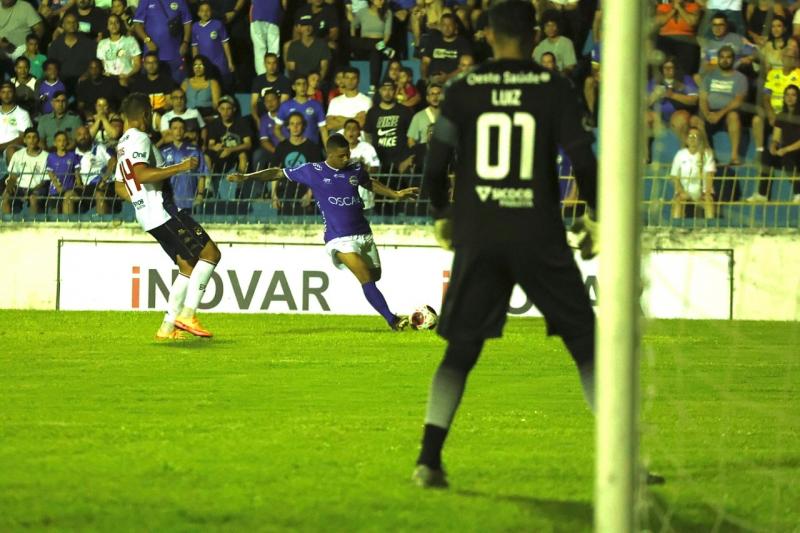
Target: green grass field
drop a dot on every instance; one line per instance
(311, 423)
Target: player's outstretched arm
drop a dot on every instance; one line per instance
(402, 194)
(268, 174)
(147, 174)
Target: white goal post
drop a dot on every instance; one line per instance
(617, 368)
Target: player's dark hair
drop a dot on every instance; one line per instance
(720, 15)
(268, 54)
(30, 130)
(351, 121)
(49, 62)
(60, 132)
(23, 59)
(8, 84)
(515, 20)
(59, 93)
(135, 105)
(32, 37)
(150, 53)
(273, 92)
(177, 119)
(336, 142)
(297, 114)
(352, 70)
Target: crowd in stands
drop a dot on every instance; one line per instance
(67, 64)
(730, 67)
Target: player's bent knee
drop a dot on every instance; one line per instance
(211, 253)
(375, 274)
(462, 355)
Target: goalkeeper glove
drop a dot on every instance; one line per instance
(443, 231)
(590, 243)
(586, 231)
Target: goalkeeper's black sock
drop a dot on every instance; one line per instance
(432, 443)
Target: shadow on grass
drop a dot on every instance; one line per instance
(349, 330)
(194, 343)
(659, 514)
(554, 510)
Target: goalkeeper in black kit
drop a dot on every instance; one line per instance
(503, 122)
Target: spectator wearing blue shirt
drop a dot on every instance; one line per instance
(310, 109)
(165, 26)
(63, 168)
(210, 39)
(266, 131)
(188, 189)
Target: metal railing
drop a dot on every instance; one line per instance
(252, 202)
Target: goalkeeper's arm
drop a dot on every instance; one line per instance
(435, 179)
(584, 165)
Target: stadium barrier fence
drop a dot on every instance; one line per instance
(252, 202)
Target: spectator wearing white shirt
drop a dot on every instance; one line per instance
(349, 104)
(364, 153)
(195, 127)
(561, 47)
(97, 166)
(574, 25)
(120, 54)
(693, 170)
(27, 175)
(13, 121)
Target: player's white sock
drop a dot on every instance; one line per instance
(177, 295)
(197, 287)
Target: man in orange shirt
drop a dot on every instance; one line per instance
(677, 35)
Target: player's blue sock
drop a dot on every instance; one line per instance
(377, 301)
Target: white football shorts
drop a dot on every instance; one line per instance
(363, 245)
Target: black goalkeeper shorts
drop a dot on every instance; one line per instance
(181, 236)
(482, 278)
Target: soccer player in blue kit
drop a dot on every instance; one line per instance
(348, 236)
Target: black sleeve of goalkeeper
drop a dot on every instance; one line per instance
(437, 159)
(577, 143)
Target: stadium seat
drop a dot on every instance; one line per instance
(244, 103)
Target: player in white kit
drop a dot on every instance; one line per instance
(142, 179)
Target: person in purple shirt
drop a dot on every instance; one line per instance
(165, 26)
(62, 166)
(672, 99)
(311, 110)
(188, 189)
(210, 39)
(265, 30)
(268, 141)
(348, 236)
(49, 86)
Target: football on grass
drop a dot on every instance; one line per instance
(424, 318)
